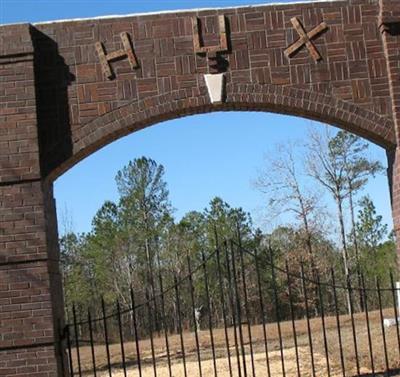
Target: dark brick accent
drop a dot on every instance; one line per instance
(57, 107)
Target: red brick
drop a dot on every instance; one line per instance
(60, 108)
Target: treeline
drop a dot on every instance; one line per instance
(136, 245)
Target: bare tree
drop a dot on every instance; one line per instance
(358, 168)
(328, 168)
(282, 180)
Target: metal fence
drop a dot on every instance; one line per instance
(236, 312)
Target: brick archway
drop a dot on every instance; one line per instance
(240, 97)
(68, 88)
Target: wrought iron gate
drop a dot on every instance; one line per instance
(235, 312)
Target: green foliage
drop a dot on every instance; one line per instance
(339, 163)
(370, 229)
(137, 243)
(377, 256)
(349, 153)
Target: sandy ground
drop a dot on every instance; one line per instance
(259, 364)
(258, 345)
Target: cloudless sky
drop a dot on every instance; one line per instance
(12, 11)
(204, 155)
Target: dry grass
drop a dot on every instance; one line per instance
(274, 353)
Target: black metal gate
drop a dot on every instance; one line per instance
(235, 312)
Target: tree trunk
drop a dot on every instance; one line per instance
(314, 271)
(355, 242)
(339, 202)
(150, 270)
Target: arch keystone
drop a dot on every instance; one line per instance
(216, 87)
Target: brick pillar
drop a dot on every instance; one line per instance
(31, 303)
(389, 24)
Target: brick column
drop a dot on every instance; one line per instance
(31, 303)
(389, 24)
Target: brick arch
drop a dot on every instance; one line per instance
(239, 97)
(58, 104)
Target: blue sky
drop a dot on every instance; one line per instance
(12, 11)
(204, 155)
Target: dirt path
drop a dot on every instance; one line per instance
(274, 355)
(259, 364)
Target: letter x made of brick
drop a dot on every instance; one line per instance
(305, 39)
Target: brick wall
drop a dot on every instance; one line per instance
(169, 80)
(29, 288)
(57, 106)
(389, 24)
